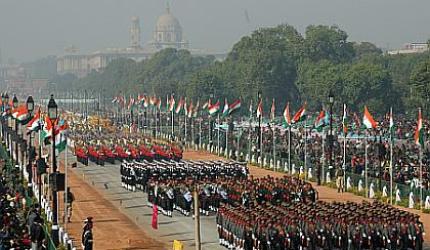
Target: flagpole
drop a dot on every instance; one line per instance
(226, 140)
(421, 177)
(322, 176)
(391, 159)
(261, 145)
(200, 133)
(365, 163)
(192, 130)
(218, 133)
(274, 148)
(185, 126)
(65, 186)
(306, 144)
(289, 149)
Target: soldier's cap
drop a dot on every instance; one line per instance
(88, 220)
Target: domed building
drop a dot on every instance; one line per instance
(168, 33)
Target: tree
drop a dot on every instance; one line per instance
(328, 43)
(366, 48)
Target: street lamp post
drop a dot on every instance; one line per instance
(53, 115)
(331, 139)
(6, 100)
(30, 108)
(15, 105)
(259, 129)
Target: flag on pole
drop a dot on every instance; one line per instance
(206, 105)
(287, 116)
(272, 110)
(260, 109)
(213, 109)
(60, 135)
(368, 120)
(34, 124)
(225, 110)
(158, 103)
(115, 99)
(190, 110)
(180, 106)
(145, 101)
(131, 103)
(300, 115)
(250, 109)
(234, 106)
(47, 128)
(20, 113)
(320, 121)
(196, 109)
(344, 120)
(419, 134)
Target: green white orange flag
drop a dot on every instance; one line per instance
(287, 116)
(419, 133)
(260, 109)
(300, 115)
(320, 120)
(226, 108)
(180, 106)
(344, 120)
(213, 109)
(34, 123)
(391, 123)
(47, 128)
(234, 106)
(196, 109)
(368, 120)
(60, 135)
(20, 113)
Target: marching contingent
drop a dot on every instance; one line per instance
(251, 213)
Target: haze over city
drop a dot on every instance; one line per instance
(33, 29)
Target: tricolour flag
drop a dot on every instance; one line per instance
(206, 105)
(344, 121)
(61, 135)
(260, 109)
(190, 110)
(180, 106)
(234, 106)
(419, 133)
(34, 124)
(196, 109)
(300, 114)
(272, 110)
(47, 128)
(368, 120)
(20, 113)
(287, 116)
(225, 110)
(320, 121)
(213, 109)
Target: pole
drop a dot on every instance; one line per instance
(306, 152)
(65, 187)
(173, 125)
(289, 149)
(421, 177)
(365, 164)
(344, 161)
(200, 133)
(218, 150)
(226, 141)
(54, 232)
(197, 218)
(39, 175)
(391, 161)
(322, 172)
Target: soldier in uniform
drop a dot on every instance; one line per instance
(87, 234)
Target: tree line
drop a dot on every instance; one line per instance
(282, 64)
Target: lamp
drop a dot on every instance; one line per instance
(15, 102)
(30, 104)
(52, 109)
(6, 98)
(331, 98)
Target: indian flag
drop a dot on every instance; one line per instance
(320, 120)
(260, 109)
(213, 109)
(47, 128)
(300, 115)
(344, 120)
(368, 120)
(180, 106)
(190, 110)
(234, 106)
(287, 116)
(225, 110)
(20, 113)
(206, 105)
(60, 136)
(250, 109)
(419, 134)
(34, 123)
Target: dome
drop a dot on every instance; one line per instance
(167, 22)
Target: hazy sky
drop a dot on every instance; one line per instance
(34, 28)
